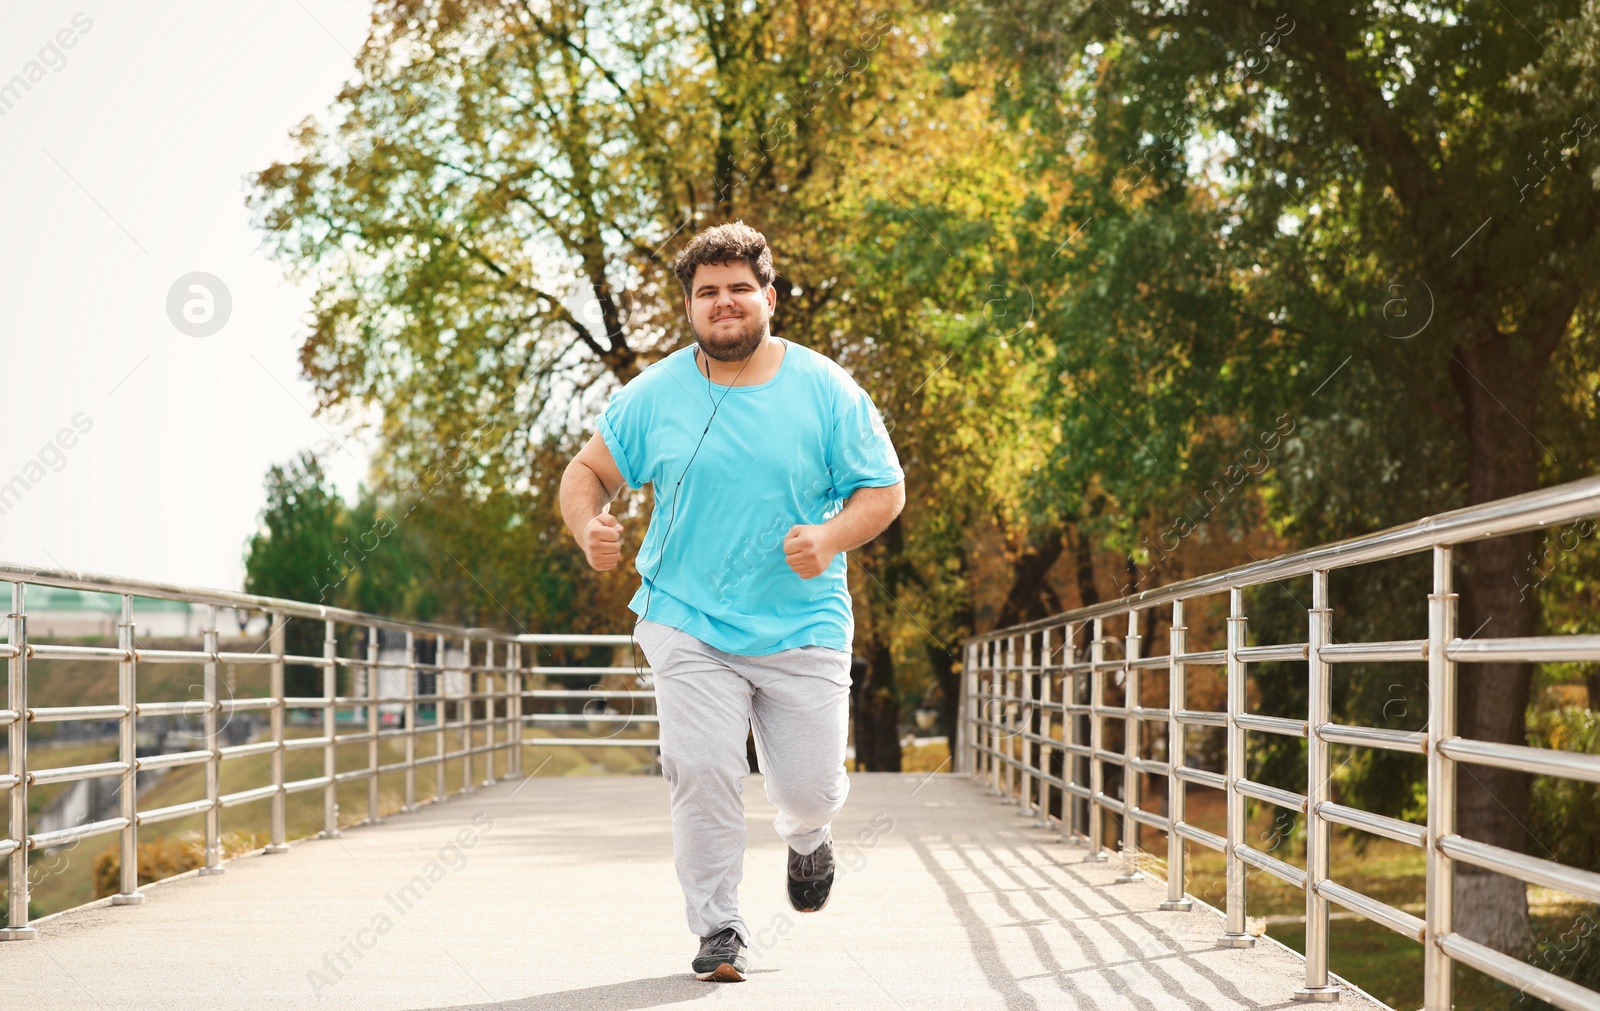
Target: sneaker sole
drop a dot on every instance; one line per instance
(723, 973)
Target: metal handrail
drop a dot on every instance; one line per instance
(1006, 737)
(506, 725)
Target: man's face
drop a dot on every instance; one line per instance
(729, 310)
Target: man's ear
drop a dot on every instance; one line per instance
(772, 296)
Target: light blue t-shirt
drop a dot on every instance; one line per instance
(788, 451)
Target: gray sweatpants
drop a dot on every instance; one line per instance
(798, 703)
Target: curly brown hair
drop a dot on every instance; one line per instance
(733, 242)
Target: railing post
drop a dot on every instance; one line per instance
(962, 742)
(1132, 726)
(1024, 726)
(17, 928)
(411, 721)
(991, 719)
(1073, 739)
(1440, 916)
(1097, 655)
(1045, 725)
(330, 713)
(440, 693)
(1235, 935)
(514, 714)
(467, 719)
(277, 644)
(128, 751)
(1176, 750)
(488, 713)
(213, 863)
(373, 724)
(1318, 770)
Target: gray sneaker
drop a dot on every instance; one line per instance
(811, 878)
(721, 958)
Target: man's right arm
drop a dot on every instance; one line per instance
(589, 484)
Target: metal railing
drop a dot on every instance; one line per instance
(497, 658)
(1021, 683)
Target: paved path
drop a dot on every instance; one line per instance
(555, 894)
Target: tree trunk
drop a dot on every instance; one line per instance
(1499, 391)
(1031, 594)
(877, 710)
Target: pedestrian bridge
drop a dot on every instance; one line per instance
(1023, 877)
(558, 894)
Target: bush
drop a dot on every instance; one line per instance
(167, 856)
(1563, 812)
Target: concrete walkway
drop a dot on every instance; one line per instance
(553, 894)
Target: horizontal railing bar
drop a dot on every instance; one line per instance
(8, 717)
(1374, 737)
(585, 742)
(7, 847)
(1374, 652)
(96, 582)
(1397, 920)
(1532, 510)
(247, 658)
(1271, 794)
(59, 714)
(552, 639)
(580, 693)
(1272, 724)
(244, 750)
(1214, 780)
(1207, 656)
(196, 706)
(8, 781)
(71, 832)
(297, 743)
(319, 781)
(1272, 865)
(72, 773)
(1539, 761)
(244, 705)
(1109, 802)
(171, 760)
(171, 656)
(174, 811)
(1201, 718)
(1533, 649)
(1146, 713)
(1150, 663)
(1522, 866)
(1201, 836)
(1155, 821)
(1151, 768)
(1267, 654)
(1377, 824)
(581, 718)
(46, 651)
(246, 796)
(597, 671)
(1530, 979)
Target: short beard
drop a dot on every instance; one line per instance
(741, 348)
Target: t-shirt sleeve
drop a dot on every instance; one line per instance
(860, 454)
(623, 425)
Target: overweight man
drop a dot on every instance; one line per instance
(767, 463)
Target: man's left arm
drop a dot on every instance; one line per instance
(810, 548)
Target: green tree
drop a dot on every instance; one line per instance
(1377, 221)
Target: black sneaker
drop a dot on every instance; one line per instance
(721, 957)
(811, 878)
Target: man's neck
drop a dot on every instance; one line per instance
(760, 367)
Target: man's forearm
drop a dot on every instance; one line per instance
(583, 497)
(867, 514)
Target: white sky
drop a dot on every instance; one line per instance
(155, 118)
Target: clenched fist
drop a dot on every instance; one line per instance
(602, 541)
(807, 550)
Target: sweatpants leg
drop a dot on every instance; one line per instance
(801, 720)
(704, 708)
